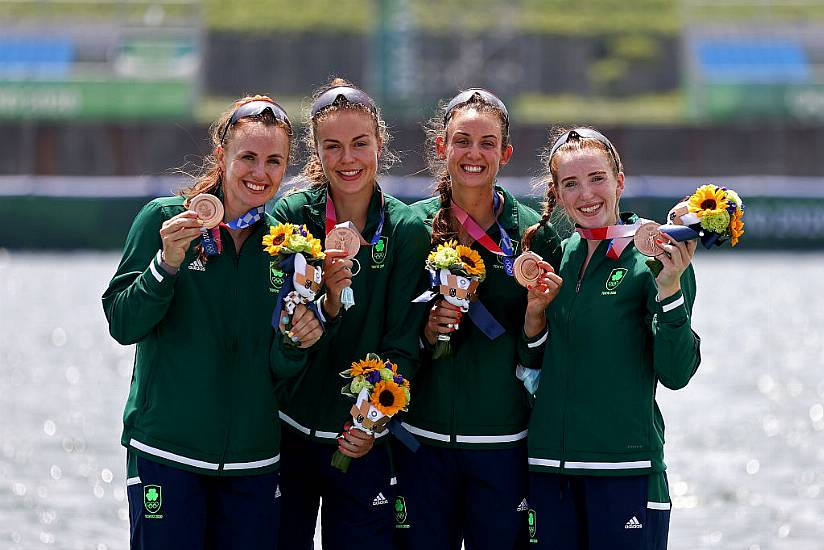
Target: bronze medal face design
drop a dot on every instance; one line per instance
(644, 240)
(208, 208)
(344, 238)
(526, 268)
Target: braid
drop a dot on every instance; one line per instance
(546, 214)
(442, 229)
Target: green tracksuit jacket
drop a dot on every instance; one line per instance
(610, 344)
(202, 396)
(472, 398)
(383, 320)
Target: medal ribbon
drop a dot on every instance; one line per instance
(210, 238)
(247, 219)
(620, 236)
(332, 218)
(476, 232)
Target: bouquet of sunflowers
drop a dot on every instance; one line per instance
(455, 271)
(296, 272)
(712, 214)
(380, 392)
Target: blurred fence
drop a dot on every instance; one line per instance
(151, 148)
(95, 213)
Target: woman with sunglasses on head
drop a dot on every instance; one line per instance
(468, 480)
(202, 449)
(596, 434)
(347, 143)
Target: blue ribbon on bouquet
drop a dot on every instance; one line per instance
(484, 320)
(403, 435)
(478, 313)
(687, 232)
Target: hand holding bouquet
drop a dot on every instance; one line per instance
(712, 214)
(379, 391)
(455, 271)
(298, 258)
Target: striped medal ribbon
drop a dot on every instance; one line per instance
(620, 236)
(475, 231)
(210, 238)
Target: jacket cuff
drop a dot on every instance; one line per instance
(531, 350)
(536, 341)
(157, 276)
(672, 308)
(324, 317)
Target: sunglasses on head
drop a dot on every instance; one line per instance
(342, 94)
(578, 134)
(475, 94)
(256, 108)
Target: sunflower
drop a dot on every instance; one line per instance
(364, 366)
(473, 264)
(707, 200)
(278, 234)
(388, 397)
(736, 227)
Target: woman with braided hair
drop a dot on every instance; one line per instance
(596, 434)
(468, 480)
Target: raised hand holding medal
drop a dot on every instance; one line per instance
(543, 284)
(339, 261)
(342, 245)
(210, 211)
(208, 208)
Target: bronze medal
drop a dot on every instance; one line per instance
(526, 269)
(645, 237)
(208, 208)
(342, 237)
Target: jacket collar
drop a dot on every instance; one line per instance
(509, 217)
(316, 208)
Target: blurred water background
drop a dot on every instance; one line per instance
(745, 438)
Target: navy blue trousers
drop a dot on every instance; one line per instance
(594, 513)
(181, 510)
(450, 495)
(357, 505)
